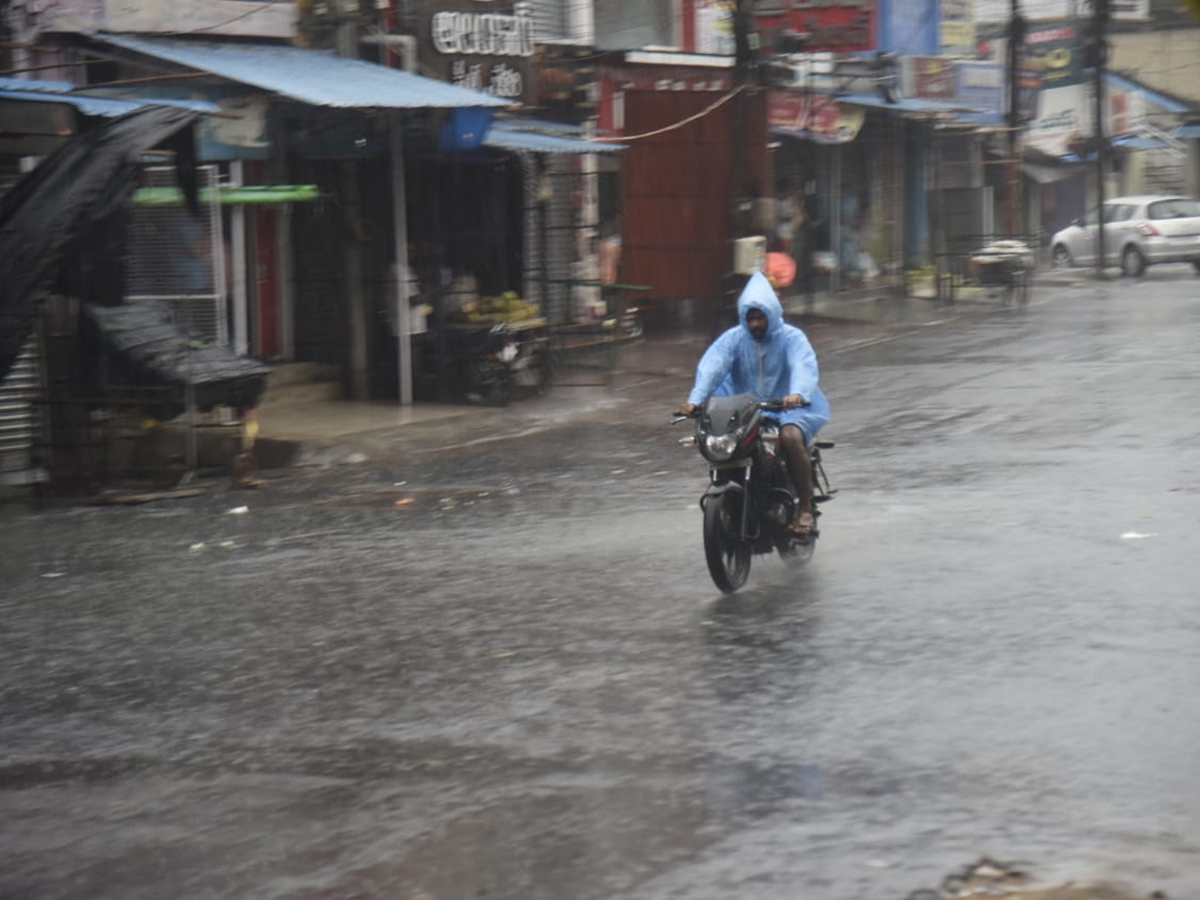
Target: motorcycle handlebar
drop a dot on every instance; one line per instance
(765, 405)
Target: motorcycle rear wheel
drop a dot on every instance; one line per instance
(727, 555)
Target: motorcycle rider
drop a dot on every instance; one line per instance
(768, 358)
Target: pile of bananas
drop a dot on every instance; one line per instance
(508, 307)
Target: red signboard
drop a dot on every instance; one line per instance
(831, 25)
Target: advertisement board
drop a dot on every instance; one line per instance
(819, 115)
(714, 26)
(934, 78)
(486, 51)
(1053, 51)
(957, 29)
(844, 26)
(1064, 119)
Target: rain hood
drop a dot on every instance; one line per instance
(781, 363)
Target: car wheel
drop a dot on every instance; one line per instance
(1132, 263)
(1061, 258)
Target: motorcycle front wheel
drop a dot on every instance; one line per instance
(727, 555)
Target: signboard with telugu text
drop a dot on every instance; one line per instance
(483, 47)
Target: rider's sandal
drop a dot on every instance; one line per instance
(804, 529)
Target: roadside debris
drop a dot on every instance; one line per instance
(989, 878)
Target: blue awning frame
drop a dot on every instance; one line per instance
(314, 77)
(1169, 104)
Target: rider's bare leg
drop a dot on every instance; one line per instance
(791, 441)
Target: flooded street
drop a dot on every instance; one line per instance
(501, 670)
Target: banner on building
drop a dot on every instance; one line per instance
(1064, 120)
(487, 51)
(1126, 112)
(714, 26)
(1126, 10)
(933, 78)
(816, 115)
(957, 28)
(1053, 51)
(981, 89)
(844, 26)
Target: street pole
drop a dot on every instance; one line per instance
(1016, 39)
(1099, 58)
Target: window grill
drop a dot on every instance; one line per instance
(177, 259)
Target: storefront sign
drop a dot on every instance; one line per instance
(1065, 117)
(1054, 53)
(981, 90)
(714, 26)
(934, 78)
(1126, 112)
(485, 51)
(957, 26)
(815, 114)
(1128, 10)
(832, 25)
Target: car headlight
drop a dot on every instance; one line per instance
(720, 447)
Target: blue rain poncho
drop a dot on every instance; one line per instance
(781, 363)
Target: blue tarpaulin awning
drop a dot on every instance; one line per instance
(1138, 142)
(529, 136)
(913, 106)
(1190, 131)
(315, 77)
(39, 91)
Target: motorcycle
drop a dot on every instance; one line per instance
(750, 500)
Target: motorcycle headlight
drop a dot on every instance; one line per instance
(720, 447)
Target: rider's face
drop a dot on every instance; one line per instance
(756, 321)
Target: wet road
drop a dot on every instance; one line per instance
(501, 671)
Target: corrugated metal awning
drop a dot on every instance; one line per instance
(911, 106)
(1138, 142)
(516, 136)
(90, 105)
(315, 77)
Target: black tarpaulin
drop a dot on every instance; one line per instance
(138, 345)
(83, 183)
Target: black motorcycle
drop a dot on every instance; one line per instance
(750, 501)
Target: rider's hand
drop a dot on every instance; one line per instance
(688, 409)
(791, 401)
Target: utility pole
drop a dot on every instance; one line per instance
(742, 65)
(1016, 41)
(1098, 52)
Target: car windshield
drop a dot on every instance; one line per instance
(1175, 209)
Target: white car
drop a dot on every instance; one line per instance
(1138, 232)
